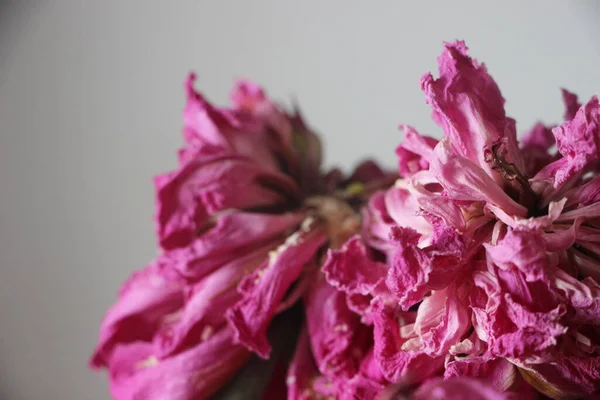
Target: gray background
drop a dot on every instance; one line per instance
(90, 109)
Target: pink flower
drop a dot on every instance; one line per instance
(242, 224)
(488, 252)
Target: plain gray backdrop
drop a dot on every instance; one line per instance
(90, 109)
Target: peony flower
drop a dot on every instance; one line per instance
(242, 224)
(481, 238)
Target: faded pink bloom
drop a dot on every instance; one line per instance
(488, 253)
(242, 225)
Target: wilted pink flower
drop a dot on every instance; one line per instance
(491, 249)
(242, 224)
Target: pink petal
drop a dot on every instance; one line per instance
(338, 339)
(523, 250)
(264, 289)
(377, 223)
(463, 180)
(498, 372)
(517, 318)
(368, 382)
(583, 296)
(442, 319)
(352, 270)
(435, 202)
(415, 152)
(578, 140)
(456, 388)
(145, 300)
(572, 104)
(398, 364)
(246, 130)
(303, 376)
(404, 209)
(240, 237)
(194, 374)
(566, 377)
(209, 184)
(203, 313)
(415, 271)
(536, 144)
(468, 104)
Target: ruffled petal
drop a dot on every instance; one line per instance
(578, 140)
(414, 271)
(468, 104)
(497, 372)
(265, 288)
(537, 144)
(352, 270)
(203, 313)
(518, 319)
(456, 388)
(197, 373)
(145, 302)
(566, 377)
(304, 381)
(572, 104)
(234, 237)
(338, 339)
(523, 250)
(415, 152)
(464, 180)
(209, 184)
(398, 364)
(442, 319)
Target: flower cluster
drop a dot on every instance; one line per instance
(474, 270)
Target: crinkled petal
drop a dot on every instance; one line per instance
(523, 250)
(415, 152)
(468, 104)
(442, 319)
(203, 313)
(422, 188)
(583, 296)
(352, 270)
(376, 223)
(497, 372)
(572, 104)
(518, 319)
(212, 183)
(368, 382)
(338, 339)
(196, 373)
(536, 144)
(415, 271)
(456, 388)
(565, 377)
(464, 180)
(145, 301)
(404, 209)
(303, 376)
(246, 131)
(398, 364)
(235, 237)
(578, 140)
(264, 289)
